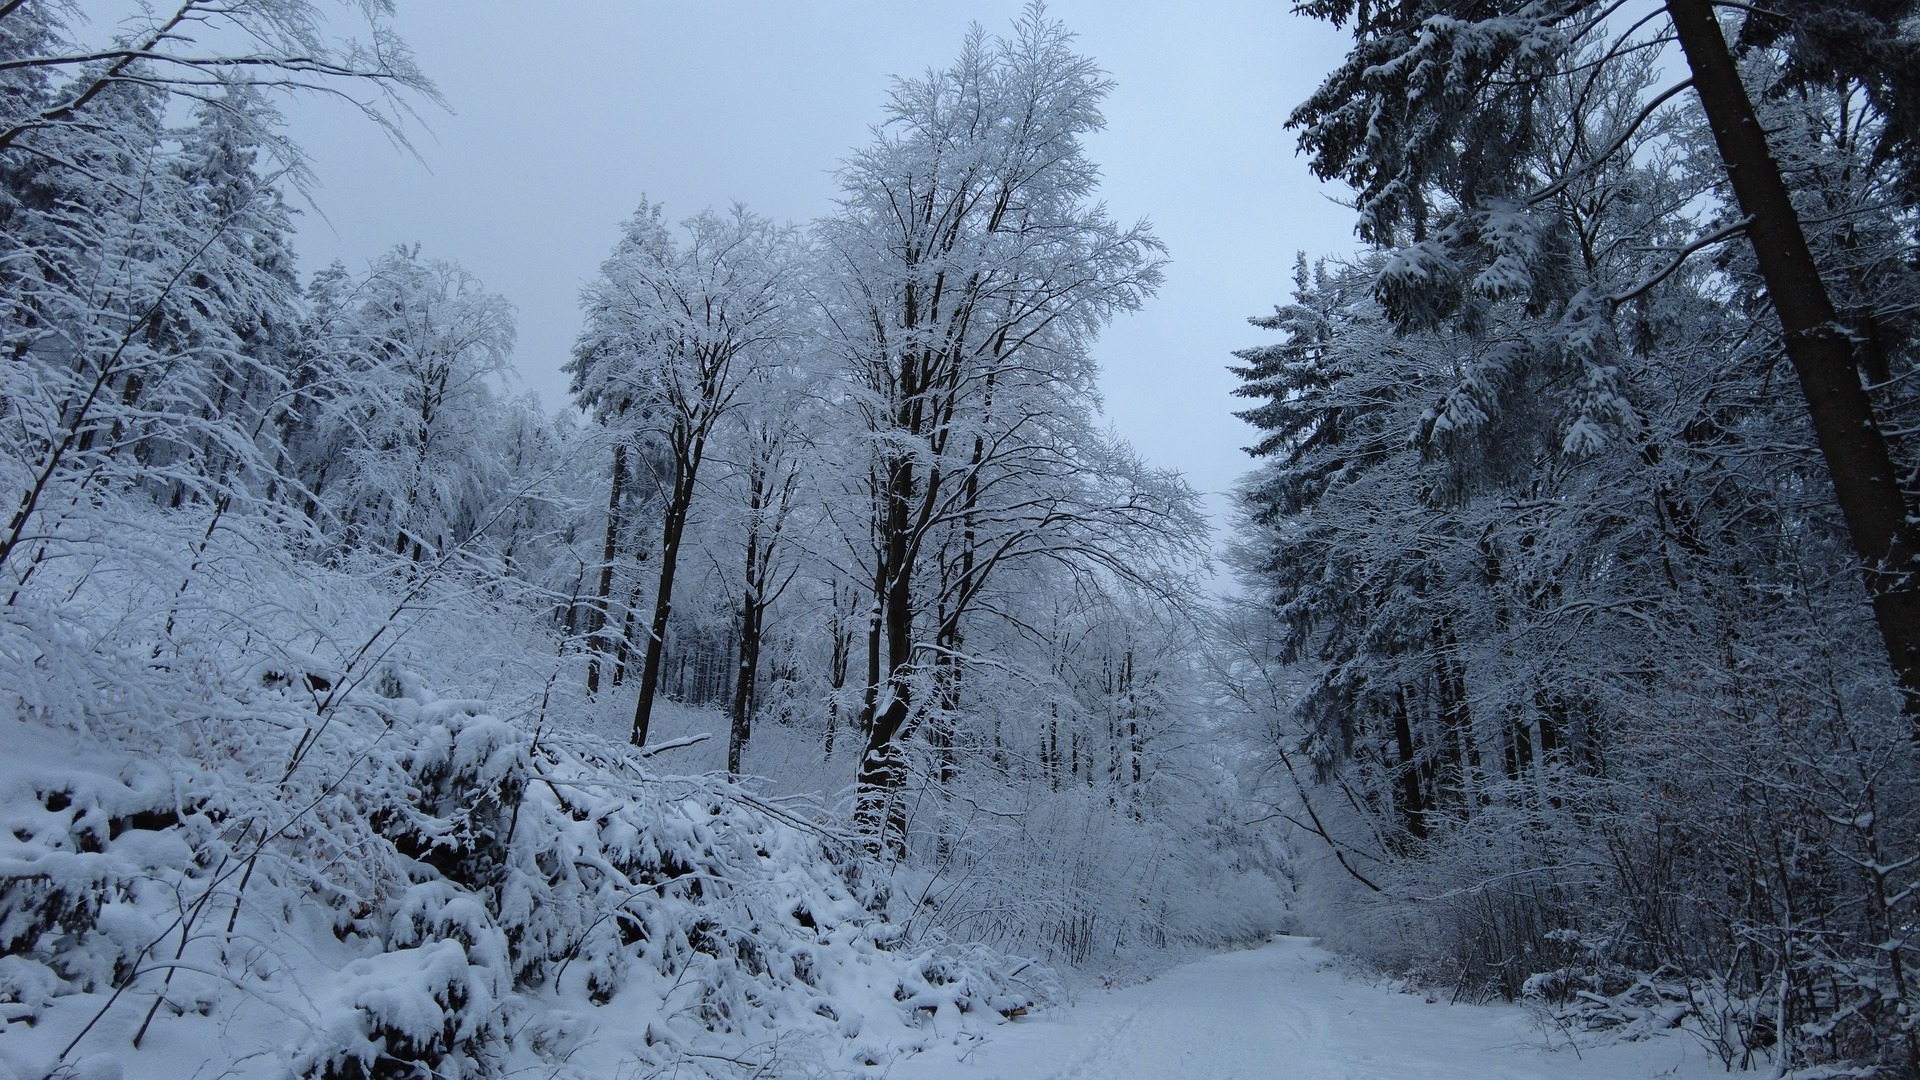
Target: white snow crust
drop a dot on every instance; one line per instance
(1289, 1011)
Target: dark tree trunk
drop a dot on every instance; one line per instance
(1411, 808)
(1820, 349)
(752, 611)
(870, 694)
(603, 595)
(1136, 747)
(878, 807)
(940, 734)
(671, 529)
(839, 663)
(880, 811)
(623, 645)
(743, 691)
(1456, 720)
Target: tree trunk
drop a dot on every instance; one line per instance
(870, 694)
(1412, 811)
(623, 645)
(879, 812)
(743, 696)
(671, 529)
(1457, 742)
(603, 595)
(751, 611)
(1134, 770)
(1819, 348)
(946, 676)
(839, 663)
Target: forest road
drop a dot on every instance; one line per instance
(1286, 1011)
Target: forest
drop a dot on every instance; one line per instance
(826, 682)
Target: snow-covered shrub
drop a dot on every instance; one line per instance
(467, 772)
(1087, 878)
(1595, 991)
(238, 832)
(419, 1011)
(88, 857)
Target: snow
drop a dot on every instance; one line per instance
(1288, 1010)
(462, 895)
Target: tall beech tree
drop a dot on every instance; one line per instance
(674, 330)
(970, 268)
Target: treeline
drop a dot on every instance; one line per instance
(849, 479)
(1593, 686)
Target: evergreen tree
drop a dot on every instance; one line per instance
(1439, 119)
(1570, 623)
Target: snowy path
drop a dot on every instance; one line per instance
(1280, 1012)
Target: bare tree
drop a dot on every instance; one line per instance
(673, 334)
(972, 269)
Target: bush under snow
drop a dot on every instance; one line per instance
(231, 840)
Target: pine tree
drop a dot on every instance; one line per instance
(1438, 117)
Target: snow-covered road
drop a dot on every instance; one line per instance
(1284, 1012)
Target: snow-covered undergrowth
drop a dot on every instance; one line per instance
(1110, 886)
(1088, 881)
(243, 835)
(1111, 882)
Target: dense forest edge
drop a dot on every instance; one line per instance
(826, 683)
(1582, 544)
(350, 697)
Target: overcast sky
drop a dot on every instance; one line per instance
(566, 112)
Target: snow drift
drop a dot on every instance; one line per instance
(243, 836)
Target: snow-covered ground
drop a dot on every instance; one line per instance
(1286, 1011)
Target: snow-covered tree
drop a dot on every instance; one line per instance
(1567, 621)
(970, 269)
(280, 46)
(145, 272)
(769, 451)
(404, 369)
(1444, 112)
(674, 331)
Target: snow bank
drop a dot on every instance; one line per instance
(269, 853)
